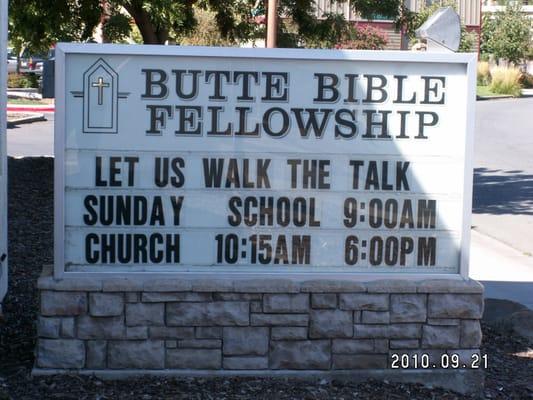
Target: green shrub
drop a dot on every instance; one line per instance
(507, 34)
(206, 32)
(526, 80)
(363, 38)
(22, 81)
(483, 73)
(505, 81)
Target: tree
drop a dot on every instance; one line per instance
(39, 23)
(507, 34)
(468, 39)
(368, 9)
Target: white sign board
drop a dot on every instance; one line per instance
(3, 152)
(246, 161)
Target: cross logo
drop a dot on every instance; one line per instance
(100, 85)
(100, 98)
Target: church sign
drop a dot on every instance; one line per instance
(280, 162)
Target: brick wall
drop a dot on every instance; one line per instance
(114, 324)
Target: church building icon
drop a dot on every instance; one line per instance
(100, 98)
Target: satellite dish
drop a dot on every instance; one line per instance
(443, 29)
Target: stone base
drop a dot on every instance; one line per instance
(118, 327)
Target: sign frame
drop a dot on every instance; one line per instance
(468, 60)
(3, 151)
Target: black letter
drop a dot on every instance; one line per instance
(150, 83)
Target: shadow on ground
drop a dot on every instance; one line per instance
(502, 192)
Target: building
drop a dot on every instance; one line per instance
(492, 6)
(469, 11)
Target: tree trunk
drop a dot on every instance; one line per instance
(104, 18)
(142, 20)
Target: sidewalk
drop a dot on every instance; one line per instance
(505, 272)
(31, 95)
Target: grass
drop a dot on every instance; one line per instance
(505, 81)
(24, 101)
(485, 91)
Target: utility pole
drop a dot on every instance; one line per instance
(272, 24)
(3, 153)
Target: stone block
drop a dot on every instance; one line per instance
(145, 314)
(324, 300)
(132, 297)
(251, 341)
(440, 337)
(265, 286)
(375, 317)
(393, 331)
(209, 332)
(245, 363)
(212, 285)
(194, 359)
(137, 332)
(200, 343)
(160, 297)
(299, 355)
(408, 308)
(63, 303)
(332, 286)
(106, 304)
(122, 285)
(67, 328)
(466, 306)
(404, 344)
(165, 332)
(450, 286)
(171, 344)
(330, 324)
(289, 333)
(405, 331)
(470, 334)
(279, 319)
(286, 303)
(357, 316)
(167, 285)
(256, 306)
(48, 327)
(364, 301)
(237, 296)
(136, 354)
(101, 327)
(217, 313)
(443, 321)
(359, 361)
(381, 346)
(371, 331)
(60, 353)
(352, 346)
(69, 284)
(96, 354)
(391, 286)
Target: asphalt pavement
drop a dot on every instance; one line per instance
(503, 182)
(32, 140)
(502, 219)
(502, 210)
